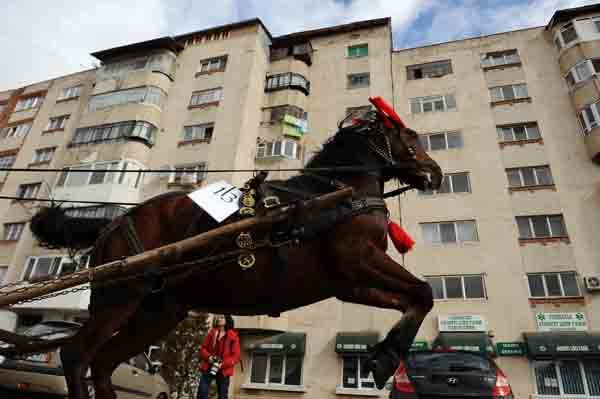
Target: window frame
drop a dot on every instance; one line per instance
(18, 130)
(212, 100)
(13, 231)
(358, 48)
(451, 183)
(360, 380)
(432, 100)
(364, 76)
(268, 384)
(445, 66)
(55, 269)
(42, 155)
(535, 176)
(62, 122)
(463, 286)
(548, 225)
(558, 363)
(28, 190)
(560, 283)
(198, 138)
(220, 66)
(583, 114)
(527, 126)
(287, 80)
(145, 95)
(456, 232)
(7, 160)
(70, 93)
(496, 55)
(265, 145)
(560, 36)
(427, 144)
(116, 174)
(26, 103)
(198, 169)
(514, 91)
(124, 130)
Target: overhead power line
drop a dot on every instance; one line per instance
(5, 197)
(342, 169)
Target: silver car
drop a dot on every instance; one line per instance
(41, 375)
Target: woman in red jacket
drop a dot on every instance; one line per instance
(219, 352)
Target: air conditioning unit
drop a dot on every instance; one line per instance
(592, 283)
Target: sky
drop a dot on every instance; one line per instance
(40, 40)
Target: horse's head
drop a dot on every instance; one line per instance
(398, 148)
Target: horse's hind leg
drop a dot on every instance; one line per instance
(79, 352)
(144, 328)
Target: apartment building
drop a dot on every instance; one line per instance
(507, 243)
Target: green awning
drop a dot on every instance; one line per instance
(474, 342)
(568, 343)
(289, 343)
(356, 342)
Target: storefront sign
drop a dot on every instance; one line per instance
(419, 346)
(462, 323)
(572, 321)
(510, 348)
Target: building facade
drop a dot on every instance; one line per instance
(507, 242)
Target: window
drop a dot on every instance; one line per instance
(6, 161)
(279, 148)
(28, 103)
(458, 287)
(358, 80)
(276, 369)
(131, 130)
(92, 212)
(359, 50)
(138, 95)
(12, 231)
(358, 110)
(25, 191)
(510, 92)
(567, 378)
(198, 132)
(520, 132)
(18, 130)
(354, 374)
(69, 93)
(430, 70)
(544, 226)
(452, 183)
(211, 96)
(277, 114)
(432, 104)
(529, 176)
(589, 117)
(506, 57)
(568, 34)
(582, 71)
(188, 174)
(43, 155)
(163, 62)
(111, 172)
(450, 232)
(543, 285)
(441, 141)
(56, 265)
(287, 80)
(57, 123)
(216, 64)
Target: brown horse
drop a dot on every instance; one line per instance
(336, 257)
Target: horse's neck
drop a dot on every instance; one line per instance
(365, 185)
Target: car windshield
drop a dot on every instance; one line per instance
(51, 329)
(457, 361)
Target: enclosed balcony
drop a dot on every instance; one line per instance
(299, 51)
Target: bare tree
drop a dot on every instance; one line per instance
(179, 354)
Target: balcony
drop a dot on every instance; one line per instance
(592, 143)
(301, 51)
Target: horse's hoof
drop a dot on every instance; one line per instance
(382, 365)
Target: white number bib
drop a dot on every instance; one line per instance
(220, 200)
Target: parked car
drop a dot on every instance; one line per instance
(449, 374)
(41, 375)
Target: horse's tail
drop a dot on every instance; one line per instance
(54, 229)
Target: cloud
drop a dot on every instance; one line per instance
(41, 42)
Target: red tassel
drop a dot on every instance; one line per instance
(402, 241)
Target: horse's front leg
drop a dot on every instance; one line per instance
(387, 353)
(392, 287)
